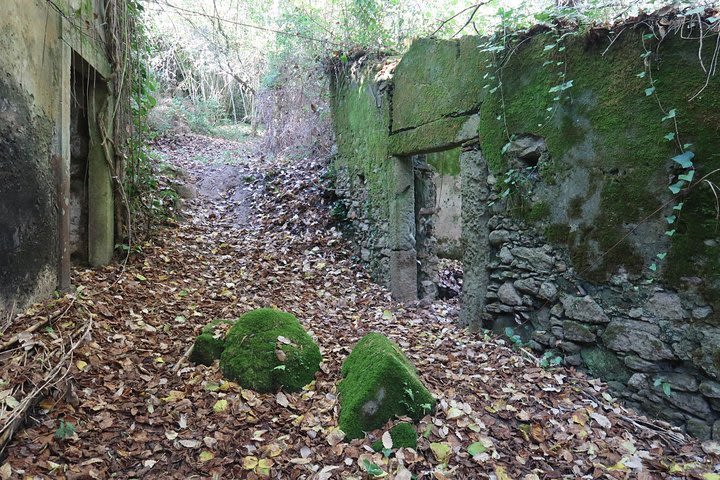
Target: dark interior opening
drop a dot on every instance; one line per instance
(79, 150)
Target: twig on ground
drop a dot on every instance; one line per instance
(51, 318)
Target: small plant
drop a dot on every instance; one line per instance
(663, 383)
(550, 359)
(65, 430)
(514, 337)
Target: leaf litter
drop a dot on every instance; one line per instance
(262, 237)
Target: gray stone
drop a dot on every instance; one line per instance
(635, 313)
(505, 255)
(535, 346)
(526, 285)
(665, 305)
(639, 381)
(710, 389)
(557, 331)
(716, 430)
(527, 147)
(569, 347)
(403, 275)
(548, 291)
(700, 313)
(577, 332)
(698, 428)
(706, 356)
(557, 310)
(584, 309)
(690, 402)
(535, 258)
(682, 381)
(508, 295)
(499, 308)
(498, 237)
(574, 360)
(544, 338)
(635, 336)
(637, 363)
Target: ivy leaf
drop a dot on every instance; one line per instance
(671, 114)
(670, 219)
(670, 233)
(687, 176)
(648, 36)
(653, 267)
(373, 469)
(676, 187)
(670, 136)
(649, 91)
(679, 206)
(662, 255)
(549, 47)
(684, 159)
(641, 75)
(666, 389)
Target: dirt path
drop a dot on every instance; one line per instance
(139, 410)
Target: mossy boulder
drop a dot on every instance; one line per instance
(379, 384)
(207, 349)
(403, 435)
(210, 344)
(267, 350)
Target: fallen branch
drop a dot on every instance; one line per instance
(182, 360)
(51, 318)
(53, 377)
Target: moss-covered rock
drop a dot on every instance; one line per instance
(210, 344)
(207, 349)
(403, 435)
(267, 350)
(379, 383)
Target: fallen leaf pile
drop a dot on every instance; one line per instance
(131, 406)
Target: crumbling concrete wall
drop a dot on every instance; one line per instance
(564, 203)
(35, 62)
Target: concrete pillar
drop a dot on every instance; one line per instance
(403, 257)
(62, 169)
(101, 218)
(475, 232)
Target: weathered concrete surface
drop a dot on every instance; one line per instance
(35, 114)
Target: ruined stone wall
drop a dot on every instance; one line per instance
(35, 62)
(561, 256)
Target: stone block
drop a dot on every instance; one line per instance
(583, 309)
(403, 275)
(626, 335)
(379, 383)
(577, 332)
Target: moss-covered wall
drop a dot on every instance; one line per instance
(606, 136)
(362, 170)
(568, 245)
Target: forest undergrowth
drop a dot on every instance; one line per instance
(126, 403)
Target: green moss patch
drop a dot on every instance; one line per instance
(207, 349)
(403, 435)
(267, 350)
(210, 344)
(379, 384)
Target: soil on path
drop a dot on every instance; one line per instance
(256, 235)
